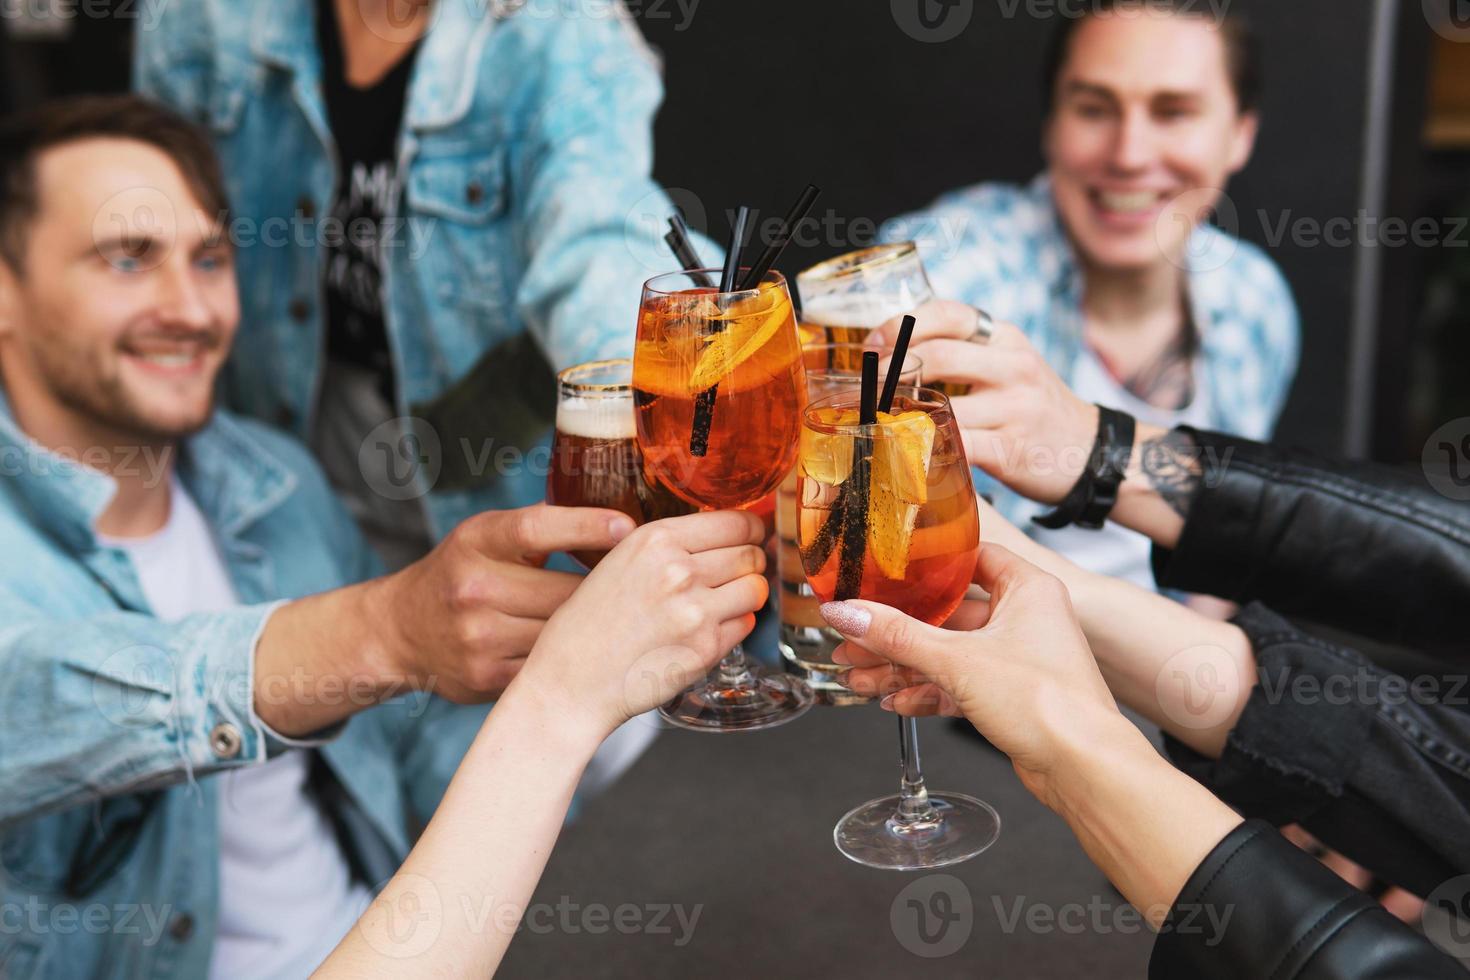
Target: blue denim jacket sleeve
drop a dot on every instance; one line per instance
(120, 703)
(584, 196)
(173, 59)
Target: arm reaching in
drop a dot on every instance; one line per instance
(1021, 671)
(654, 616)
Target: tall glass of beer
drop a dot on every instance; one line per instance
(595, 460)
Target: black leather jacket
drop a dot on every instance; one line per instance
(1285, 917)
(1380, 774)
(1372, 550)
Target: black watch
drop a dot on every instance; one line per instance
(1095, 494)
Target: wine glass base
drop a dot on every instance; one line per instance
(771, 700)
(871, 835)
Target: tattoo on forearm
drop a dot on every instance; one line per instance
(1171, 463)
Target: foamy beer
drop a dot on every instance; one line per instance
(846, 298)
(594, 456)
(806, 641)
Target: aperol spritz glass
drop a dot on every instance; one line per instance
(887, 513)
(719, 387)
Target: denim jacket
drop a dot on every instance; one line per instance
(529, 223)
(109, 716)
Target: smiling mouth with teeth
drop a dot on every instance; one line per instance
(1132, 202)
(170, 352)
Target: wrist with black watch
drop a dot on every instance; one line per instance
(1095, 493)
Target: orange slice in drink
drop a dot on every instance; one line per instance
(739, 341)
(827, 458)
(898, 486)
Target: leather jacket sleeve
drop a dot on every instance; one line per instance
(1364, 548)
(1257, 906)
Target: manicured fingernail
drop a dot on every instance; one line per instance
(887, 703)
(840, 657)
(621, 527)
(847, 619)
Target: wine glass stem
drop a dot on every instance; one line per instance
(913, 798)
(733, 671)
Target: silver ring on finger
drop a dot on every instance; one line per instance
(984, 327)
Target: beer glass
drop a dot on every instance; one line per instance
(846, 298)
(594, 454)
(719, 387)
(887, 513)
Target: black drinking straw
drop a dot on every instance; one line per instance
(855, 526)
(778, 245)
(732, 254)
(683, 249)
(704, 402)
(895, 366)
(868, 407)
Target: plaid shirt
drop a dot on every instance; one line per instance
(1002, 247)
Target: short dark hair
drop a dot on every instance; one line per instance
(1242, 45)
(26, 135)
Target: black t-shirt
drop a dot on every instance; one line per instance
(365, 124)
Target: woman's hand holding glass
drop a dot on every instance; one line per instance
(654, 616)
(1016, 664)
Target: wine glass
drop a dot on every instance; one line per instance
(887, 513)
(719, 387)
(806, 641)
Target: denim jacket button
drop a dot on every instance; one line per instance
(474, 193)
(182, 927)
(307, 207)
(225, 740)
(299, 309)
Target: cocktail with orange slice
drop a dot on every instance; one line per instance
(806, 640)
(887, 513)
(719, 387)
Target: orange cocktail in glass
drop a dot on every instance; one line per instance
(887, 514)
(719, 387)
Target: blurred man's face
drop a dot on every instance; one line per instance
(1144, 134)
(126, 304)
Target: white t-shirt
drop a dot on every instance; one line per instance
(1115, 550)
(286, 894)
